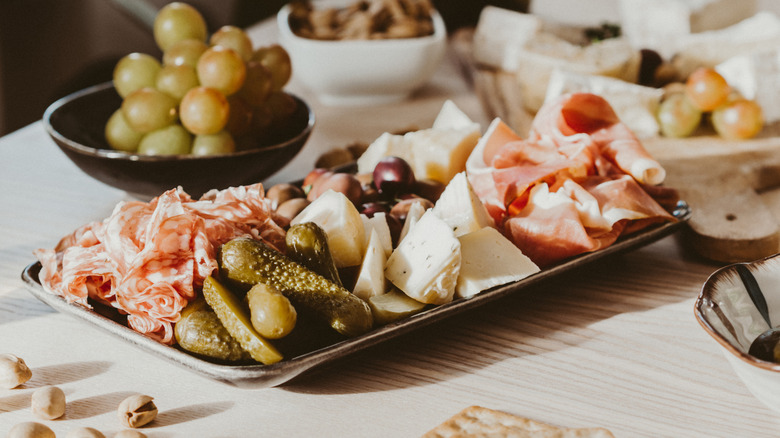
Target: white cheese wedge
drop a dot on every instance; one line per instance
(498, 29)
(341, 222)
(371, 277)
(756, 76)
(635, 105)
(416, 210)
(658, 24)
(460, 207)
(426, 264)
(489, 259)
(378, 223)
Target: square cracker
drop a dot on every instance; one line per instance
(479, 422)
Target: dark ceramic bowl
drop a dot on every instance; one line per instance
(76, 124)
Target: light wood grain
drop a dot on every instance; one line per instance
(611, 345)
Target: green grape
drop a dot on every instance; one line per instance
(234, 38)
(170, 140)
(177, 80)
(739, 119)
(176, 22)
(204, 110)
(120, 135)
(677, 116)
(707, 89)
(213, 144)
(240, 117)
(135, 71)
(257, 85)
(277, 61)
(222, 69)
(185, 52)
(148, 109)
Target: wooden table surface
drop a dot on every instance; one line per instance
(614, 344)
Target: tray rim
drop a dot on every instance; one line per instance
(262, 376)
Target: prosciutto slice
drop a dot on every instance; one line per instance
(149, 259)
(576, 184)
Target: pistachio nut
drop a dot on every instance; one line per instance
(48, 403)
(30, 429)
(13, 371)
(137, 410)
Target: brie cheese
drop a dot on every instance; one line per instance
(489, 259)
(426, 264)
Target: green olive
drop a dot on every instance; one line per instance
(272, 314)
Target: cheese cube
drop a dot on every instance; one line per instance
(460, 207)
(425, 265)
(416, 210)
(489, 259)
(452, 117)
(439, 154)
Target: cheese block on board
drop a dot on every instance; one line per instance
(498, 30)
(759, 32)
(635, 105)
(658, 24)
(461, 208)
(426, 264)
(535, 62)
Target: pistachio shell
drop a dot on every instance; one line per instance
(13, 371)
(137, 411)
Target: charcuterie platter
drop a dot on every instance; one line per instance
(260, 376)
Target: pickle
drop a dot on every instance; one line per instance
(228, 308)
(200, 331)
(393, 305)
(245, 262)
(307, 244)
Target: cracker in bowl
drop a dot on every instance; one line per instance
(476, 421)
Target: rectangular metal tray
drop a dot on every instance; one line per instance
(260, 376)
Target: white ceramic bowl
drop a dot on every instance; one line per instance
(362, 72)
(726, 311)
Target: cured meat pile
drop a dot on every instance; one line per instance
(579, 181)
(148, 260)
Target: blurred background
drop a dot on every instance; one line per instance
(50, 48)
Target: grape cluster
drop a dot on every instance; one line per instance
(208, 95)
(706, 92)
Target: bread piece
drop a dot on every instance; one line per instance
(476, 421)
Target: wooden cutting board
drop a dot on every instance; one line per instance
(733, 187)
